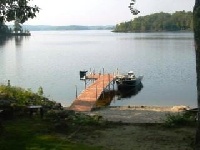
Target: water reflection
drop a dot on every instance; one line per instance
(107, 97)
(3, 40)
(17, 39)
(128, 93)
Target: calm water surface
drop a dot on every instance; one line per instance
(53, 59)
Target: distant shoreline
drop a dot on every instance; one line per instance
(65, 28)
(179, 31)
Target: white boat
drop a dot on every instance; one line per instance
(128, 81)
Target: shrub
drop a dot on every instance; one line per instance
(180, 119)
(14, 100)
(21, 97)
(64, 120)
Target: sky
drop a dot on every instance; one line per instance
(100, 12)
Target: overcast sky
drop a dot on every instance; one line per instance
(100, 12)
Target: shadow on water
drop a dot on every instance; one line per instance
(18, 40)
(128, 93)
(4, 40)
(107, 97)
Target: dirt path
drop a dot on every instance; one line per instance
(142, 131)
(140, 137)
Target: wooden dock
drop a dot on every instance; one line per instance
(86, 101)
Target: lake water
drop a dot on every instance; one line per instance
(53, 59)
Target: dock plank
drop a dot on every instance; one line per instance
(86, 101)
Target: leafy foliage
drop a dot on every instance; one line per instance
(180, 119)
(16, 10)
(21, 9)
(4, 29)
(177, 21)
(21, 97)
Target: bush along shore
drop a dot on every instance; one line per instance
(16, 100)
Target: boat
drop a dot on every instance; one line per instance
(128, 81)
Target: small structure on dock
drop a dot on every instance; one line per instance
(86, 101)
(83, 75)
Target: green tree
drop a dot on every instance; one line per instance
(17, 26)
(177, 21)
(22, 10)
(3, 28)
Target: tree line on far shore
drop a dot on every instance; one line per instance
(158, 22)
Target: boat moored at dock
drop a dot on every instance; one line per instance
(128, 81)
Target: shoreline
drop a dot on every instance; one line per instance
(137, 114)
(146, 107)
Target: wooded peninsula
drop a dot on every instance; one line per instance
(158, 22)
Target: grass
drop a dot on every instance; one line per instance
(35, 134)
(180, 119)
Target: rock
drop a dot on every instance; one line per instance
(180, 108)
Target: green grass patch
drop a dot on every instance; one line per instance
(35, 134)
(180, 119)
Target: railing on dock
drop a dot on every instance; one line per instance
(86, 101)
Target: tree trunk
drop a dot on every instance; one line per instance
(197, 2)
(196, 19)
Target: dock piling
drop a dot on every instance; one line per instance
(86, 101)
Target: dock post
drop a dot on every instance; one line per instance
(96, 92)
(8, 83)
(94, 71)
(113, 82)
(76, 91)
(85, 84)
(93, 76)
(103, 82)
(109, 81)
